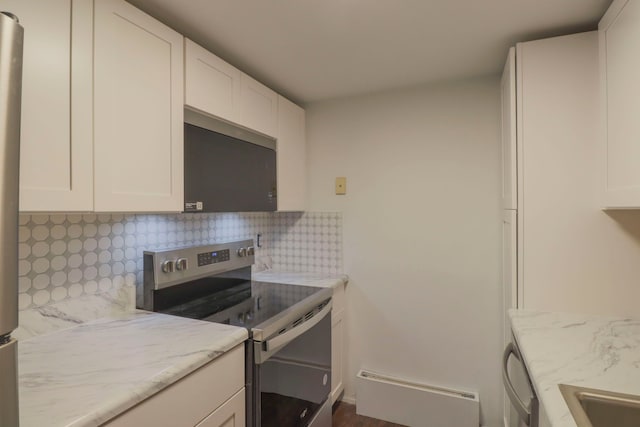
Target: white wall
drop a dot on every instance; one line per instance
(421, 228)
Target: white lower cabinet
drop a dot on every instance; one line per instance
(337, 343)
(230, 414)
(212, 396)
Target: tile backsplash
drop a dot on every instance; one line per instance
(67, 256)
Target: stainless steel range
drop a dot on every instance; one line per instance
(288, 354)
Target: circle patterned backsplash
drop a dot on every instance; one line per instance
(67, 256)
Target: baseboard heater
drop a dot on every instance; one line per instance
(412, 404)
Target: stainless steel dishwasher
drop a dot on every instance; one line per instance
(518, 387)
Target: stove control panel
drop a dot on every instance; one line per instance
(208, 258)
(171, 267)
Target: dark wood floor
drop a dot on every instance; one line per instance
(344, 415)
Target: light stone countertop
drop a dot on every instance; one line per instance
(582, 350)
(72, 312)
(305, 279)
(88, 374)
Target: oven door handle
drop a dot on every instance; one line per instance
(274, 344)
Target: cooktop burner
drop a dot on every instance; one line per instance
(213, 283)
(235, 302)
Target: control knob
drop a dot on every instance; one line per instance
(182, 264)
(168, 266)
(250, 250)
(242, 252)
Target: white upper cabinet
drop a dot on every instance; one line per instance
(508, 103)
(258, 106)
(291, 156)
(138, 105)
(620, 68)
(211, 85)
(56, 132)
(217, 88)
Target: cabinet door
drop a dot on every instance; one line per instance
(56, 147)
(258, 106)
(291, 156)
(337, 355)
(620, 67)
(230, 414)
(193, 398)
(211, 84)
(508, 87)
(138, 111)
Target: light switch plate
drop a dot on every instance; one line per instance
(341, 185)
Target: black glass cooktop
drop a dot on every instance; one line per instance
(233, 301)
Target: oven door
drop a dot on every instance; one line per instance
(292, 375)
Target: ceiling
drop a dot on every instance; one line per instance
(311, 50)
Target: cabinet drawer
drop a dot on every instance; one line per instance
(230, 414)
(191, 399)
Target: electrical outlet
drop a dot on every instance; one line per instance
(341, 185)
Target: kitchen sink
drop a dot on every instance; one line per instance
(600, 408)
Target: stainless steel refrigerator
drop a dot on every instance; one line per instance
(11, 40)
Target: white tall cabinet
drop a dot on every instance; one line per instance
(565, 242)
(568, 253)
(509, 185)
(509, 205)
(508, 130)
(138, 121)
